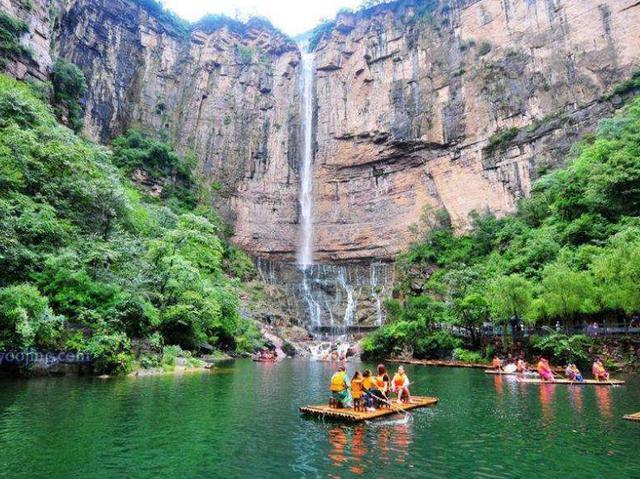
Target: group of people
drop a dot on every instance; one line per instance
(545, 371)
(265, 355)
(368, 391)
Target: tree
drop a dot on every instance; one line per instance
(617, 271)
(69, 87)
(470, 312)
(510, 296)
(26, 320)
(566, 293)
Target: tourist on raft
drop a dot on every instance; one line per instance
(383, 381)
(357, 389)
(496, 363)
(340, 387)
(370, 390)
(544, 370)
(599, 372)
(521, 365)
(573, 373)
(400, 385)
(510, 367)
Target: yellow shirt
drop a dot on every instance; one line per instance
(368, 383)
(338, 381)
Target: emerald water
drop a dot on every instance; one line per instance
(242, 421)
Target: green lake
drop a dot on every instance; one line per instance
(242, 421)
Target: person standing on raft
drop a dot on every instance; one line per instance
(340, 386)
(544, 370)
(497, 363)
(598, 370)
(521, 365)
(400, 385)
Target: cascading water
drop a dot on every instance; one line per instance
(327, 296)
(305, 250)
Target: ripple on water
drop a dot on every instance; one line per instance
(243, 421)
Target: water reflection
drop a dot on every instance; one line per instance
(603, 396)
(497, 382)
(353, 446)
(575, 392)
(359, 450)
(547, 391)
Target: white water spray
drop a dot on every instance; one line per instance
(305, 250)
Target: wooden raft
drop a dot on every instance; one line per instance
(439, 363)
(502, 373)
(586, 382)
(633, 417)
(349, 414)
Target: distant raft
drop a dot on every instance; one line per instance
(348, 414)
(531, 374)
(586, 382)
(633, 417)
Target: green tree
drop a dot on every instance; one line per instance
(470, 312)
(566, 293)
(510, 296)
(69, 88)
(26, 320)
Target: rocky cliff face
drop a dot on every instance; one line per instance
(419, 105)
(227, 92)
(37, 63)
(454, 105)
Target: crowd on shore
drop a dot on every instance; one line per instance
(545, 371)
(366, 391)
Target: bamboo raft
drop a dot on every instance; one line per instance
(439, 362)
(502, 373)
(586, 382)
(348, 414)
(633, 417)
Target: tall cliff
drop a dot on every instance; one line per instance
(454, 105)
(419, 105)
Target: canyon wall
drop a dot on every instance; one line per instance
(420, 106)
(227, 92)
(408, 98)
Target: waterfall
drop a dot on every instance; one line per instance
(350, 310)
(305, 250)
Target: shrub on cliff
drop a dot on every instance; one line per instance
(69, 88)
(11, 28)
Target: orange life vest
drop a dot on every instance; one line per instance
(356, 388)
(399, 380)
(380, 382)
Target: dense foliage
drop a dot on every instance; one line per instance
(571, 253)
(11, 29)
(90, 261)
(69, 88)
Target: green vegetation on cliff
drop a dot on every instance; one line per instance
(90, 261)
(10, 30)
(571, 253)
